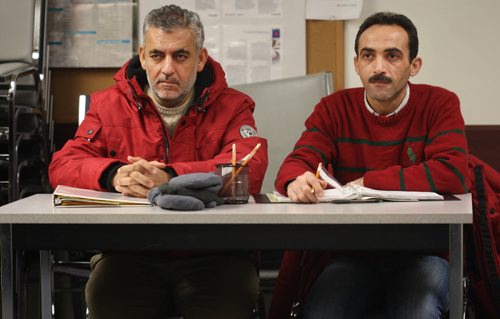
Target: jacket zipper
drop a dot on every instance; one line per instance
(203, 100)
(139, 107)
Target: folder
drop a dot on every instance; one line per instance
(79, 197)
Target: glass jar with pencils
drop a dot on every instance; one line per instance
(235, 183)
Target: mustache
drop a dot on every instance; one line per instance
(169, 80)
(379, 78)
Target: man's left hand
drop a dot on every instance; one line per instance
(137, 178)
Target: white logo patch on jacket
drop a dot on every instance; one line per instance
(247, 131)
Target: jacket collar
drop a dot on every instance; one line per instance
(131, 79)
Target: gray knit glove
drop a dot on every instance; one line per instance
(188, 192)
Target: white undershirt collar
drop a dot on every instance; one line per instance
(400, 107)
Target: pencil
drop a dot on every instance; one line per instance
(233, 160)
(248, 158)
(318, 170)
(233, 157)
(245, 162)
(317, 175)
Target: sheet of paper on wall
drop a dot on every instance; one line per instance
(66, 196)
(252, 53)
(333, 9)
(254, 41)
(91, 33)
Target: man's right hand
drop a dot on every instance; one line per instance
(138, 177)
(306, 188)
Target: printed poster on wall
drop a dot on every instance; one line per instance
(90, 33)
(254, 40)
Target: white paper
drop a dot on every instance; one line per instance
(332, 181)
(252, 8)
(357, 192)
(333, 9)
(248, 53)
(275, 53)
(90, 33)
(364, 193)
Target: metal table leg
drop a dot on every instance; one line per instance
(7, 272)
(46, 284)
(456, 271)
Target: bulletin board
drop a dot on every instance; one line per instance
(254, 40)
(90, 33)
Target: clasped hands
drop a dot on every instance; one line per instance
(307, 188)
(139, 176)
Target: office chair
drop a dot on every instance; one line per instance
(295, 97)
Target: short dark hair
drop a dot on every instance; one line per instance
(390, 18)
(170, 17)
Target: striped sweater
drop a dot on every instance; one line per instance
(421, 148)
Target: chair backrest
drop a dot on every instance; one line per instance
(20, 30)
(282, 106)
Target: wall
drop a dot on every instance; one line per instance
(458, 44)
(324, 50)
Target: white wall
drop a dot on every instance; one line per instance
(459, 45)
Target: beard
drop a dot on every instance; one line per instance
(169, 97)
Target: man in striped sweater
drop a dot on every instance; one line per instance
(390, 134)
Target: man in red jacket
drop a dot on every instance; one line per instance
(392, 135)
(170, 113)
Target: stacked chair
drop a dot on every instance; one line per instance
(24, 140)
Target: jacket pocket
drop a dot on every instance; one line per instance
(88, 130)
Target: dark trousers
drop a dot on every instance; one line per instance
(411, 287)
(124, 286)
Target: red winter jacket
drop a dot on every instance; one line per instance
(122, 120)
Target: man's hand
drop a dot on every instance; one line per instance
(138, 177)
(307, 188)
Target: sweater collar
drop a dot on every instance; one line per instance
(396, 111)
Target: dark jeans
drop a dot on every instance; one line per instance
(132, 286)
(396, 287)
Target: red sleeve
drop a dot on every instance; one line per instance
(82, 160)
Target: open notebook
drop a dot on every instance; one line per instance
(77, 197)
(351, 192)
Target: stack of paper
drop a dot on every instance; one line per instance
(78, 197)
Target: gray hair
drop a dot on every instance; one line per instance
(171, 17)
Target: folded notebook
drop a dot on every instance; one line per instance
(78, 197)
